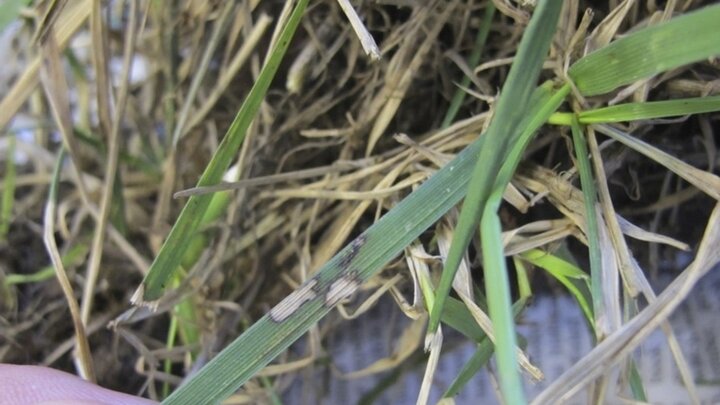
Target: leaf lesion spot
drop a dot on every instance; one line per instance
(287, 307)
(342, 288)
(352, 252)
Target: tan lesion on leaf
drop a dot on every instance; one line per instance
(294, 301)
(342, 288)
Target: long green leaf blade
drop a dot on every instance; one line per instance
(8, 191)
(689, 38)
(460, 93)
(172, 251)
(497, 285)
(565, 273)
(587, 184)
(510, 112)
(649, 110)
(497, 289)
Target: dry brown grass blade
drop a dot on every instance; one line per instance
(237, 62)
(611, 319)
(463, 281)
(100, 67)
(269, 180)
(407, 343)
(66, 25)
(383, 286)
(56, 91)
(431, 366)
(219, 29)
(705, 181)
(83, 357)
(285, 368)
(96, 251)
(619, 245)
(402, 72)
(483, 320)
(520, 16)
(51, 9)
(635, 232)
(366, 39)
(518, 244)
(567, 199)
(376, 193)
(607, 29)
(619, 345)
(633, 274)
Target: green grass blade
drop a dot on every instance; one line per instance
(569, 275)
(481, 356)
(650, 110)
(497, 285)
(8, 191)
(474, 59)
(523, 279)
(636, 383)
(74, 257)
(10, 11)
(587, 183)
(184, 317)
(634, 378)
(545, 104)
(458, 317)
(497, 289)
(689, 38)
(476, 362)
(187, 223)
(511, 110)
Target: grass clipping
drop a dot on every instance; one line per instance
(358, 116)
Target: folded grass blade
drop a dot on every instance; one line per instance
(574, 279)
